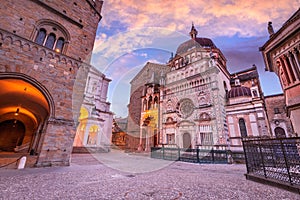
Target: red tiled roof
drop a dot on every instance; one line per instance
(239, 91)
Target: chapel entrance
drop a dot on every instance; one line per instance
(279, 132)
(24, 111)
(186, 141)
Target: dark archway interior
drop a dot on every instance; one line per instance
(279, 132)
(11, 135)
(23, 110)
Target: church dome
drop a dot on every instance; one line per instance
(195, 43)
(239, 91)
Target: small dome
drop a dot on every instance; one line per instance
(239, 91)
(197, 43)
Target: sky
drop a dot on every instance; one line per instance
(134, 32)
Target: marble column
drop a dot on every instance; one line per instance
(296, 75)
(86, 134)
(285, 71)
(286, 64)
(297, 61)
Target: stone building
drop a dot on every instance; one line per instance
(194, 95)
(245, 108)
(45, 51)
(281, 55)
(119, 135)
(280, 124)
(137, 90)
(193, 101)
(95, 120)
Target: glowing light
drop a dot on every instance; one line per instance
(17, 111)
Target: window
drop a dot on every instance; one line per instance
(149, 102)
(41, 36)
(276, 111)
(206, 138)
(237, 82)
(254, 92)
(59, 44)
(243, 128)
(50, 41)
(52, 35)
(171, 138)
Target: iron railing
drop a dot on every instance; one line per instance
(273, 159)
(190, 155)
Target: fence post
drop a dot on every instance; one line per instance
(198, 159)
(286, 163)
(212, 155)
(178, 154)
(245, 153)
(262, 158)
(163, 149)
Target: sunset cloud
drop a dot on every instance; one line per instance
(136, 24)
(215, 18)
(130, 28)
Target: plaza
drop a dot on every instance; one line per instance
(118, 175)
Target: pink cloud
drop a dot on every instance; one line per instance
(248, 18)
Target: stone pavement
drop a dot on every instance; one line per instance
(131, 177)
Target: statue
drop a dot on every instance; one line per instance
(270, 29)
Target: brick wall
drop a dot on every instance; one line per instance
(62, 75)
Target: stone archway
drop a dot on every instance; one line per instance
(27, 105)
(279, 132)
(93, 135)
(186, 138)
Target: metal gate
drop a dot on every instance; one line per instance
(190, 155)
(273, 160)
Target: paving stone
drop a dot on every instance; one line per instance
(87, 178)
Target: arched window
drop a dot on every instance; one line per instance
(149, 102)
(243, 128)
(51, 35)
(50, 41)
(279, 132)
(59, 44)
(145, 105)
(41, 36)
(155, 101)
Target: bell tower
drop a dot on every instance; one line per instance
(44, 62)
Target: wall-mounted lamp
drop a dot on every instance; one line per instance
(17, 111)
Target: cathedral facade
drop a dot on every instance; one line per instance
(45, 51)
(94, 130)
(194, 102)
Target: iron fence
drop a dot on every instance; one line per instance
(276, 160)
(190, 155)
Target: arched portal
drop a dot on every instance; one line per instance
(186, 140)
(25, 106)
(81, 128)
(93, 134)
(279, 132)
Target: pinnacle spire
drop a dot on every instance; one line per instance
(193, 32)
